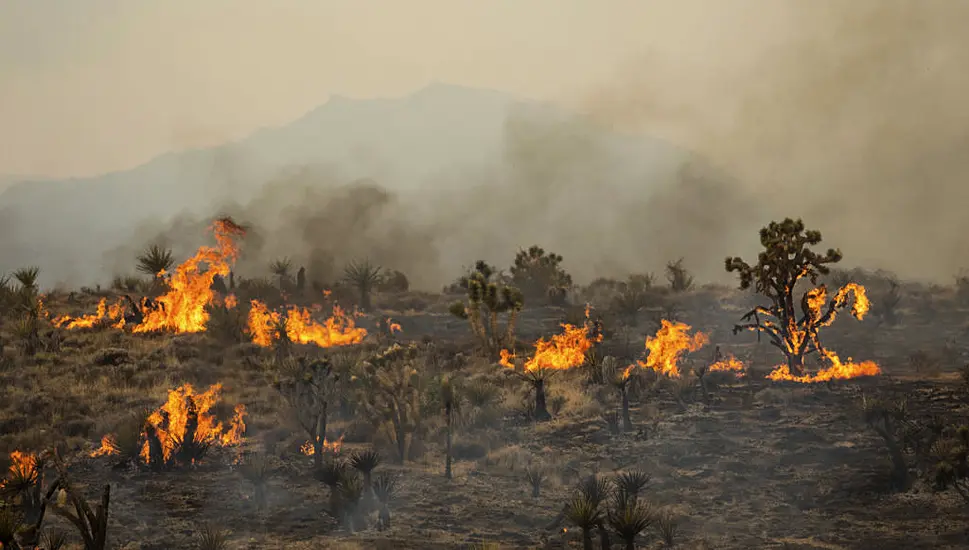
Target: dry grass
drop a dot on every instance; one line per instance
(761, 466)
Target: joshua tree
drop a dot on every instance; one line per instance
(629, 517)
(447, 395)
(363, 276)
(27, 277)
(678, 276)
(301, 280)
(307, 385)
(384, 488)
(620, 379)
(281, 268)
(539, 275)
(785, 260)
(365, 462)
(487, 299)
(586, 514)
(154, 260)
(632, 482)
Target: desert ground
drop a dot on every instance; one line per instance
(736, 460)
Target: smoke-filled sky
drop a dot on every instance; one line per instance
(851, 114)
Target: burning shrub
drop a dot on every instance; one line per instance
(487, 299)
(786, 260)
(562, 352)
(272, 328)
(539, 275)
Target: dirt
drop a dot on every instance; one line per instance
(762, 465)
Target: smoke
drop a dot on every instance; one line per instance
(851, 115)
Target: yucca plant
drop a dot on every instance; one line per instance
(632, 482)
(385, 488)
(363, 276)
(281, 268)
(27, 277)
(629, 517)
(620, 379)
(536, 477)
(257, 471)
(10, 522)
(351, 494)
(332, 472)
(365, 462)
(586, 514)
(209, 537)
(54, 539)
(668, 528)
(154, 260)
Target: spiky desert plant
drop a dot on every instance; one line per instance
(154, 260)
(620, 379)
(351, 495)
(787, 259)
(486, 300)
(366, 462)
(629, 517)
(632, 482)
(887, 419)
(281, 268)
(10, 523)
(666, 524)
(951, 462)
(257, 470)
(385, 487)
(535, 476)
(210, 537)
(54, 539)
(308, 385)
(331, 472)
(90, 522)
(27, 277)
(678, 276)
(586, 514)
(364, 277)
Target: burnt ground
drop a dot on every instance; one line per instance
(762, 465)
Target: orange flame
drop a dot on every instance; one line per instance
(231, 301)
(562, 352)
(22, 466)
(103, 313)
(109, 446)
(729, 364)
(670, 343)
(339, 329)
(171, 419)
(334, 447)
(392, 326)
(182, 308)
(815, 300)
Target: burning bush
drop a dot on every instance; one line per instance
(787, 259)
(268, 328)
(180, 432)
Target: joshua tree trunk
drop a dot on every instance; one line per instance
(604, 541)
(541, 408)
(447, 463)
(795, 363)
(586, 539)
(384, 517)
(627, 422)
(318, 437)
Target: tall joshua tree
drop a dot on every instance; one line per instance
(363, 276)
(487, 299)
(787, 259)
(281, 268)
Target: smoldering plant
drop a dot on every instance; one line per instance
(487, 299)
(385, 487)
(620, 378)
(308, 386)
(366, 462)
(257, 470)
(629, 516)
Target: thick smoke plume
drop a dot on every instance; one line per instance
(850, 114)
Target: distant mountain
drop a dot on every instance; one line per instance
(402, 143)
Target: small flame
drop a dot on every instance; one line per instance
(115, 312)
(339, 329)
(231, 301)
(668, 345)
(729, 364)
(392, 326)
(109, 446)
(334, 447)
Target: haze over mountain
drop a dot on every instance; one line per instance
(439, 178)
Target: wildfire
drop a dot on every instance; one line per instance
(339, 329)
(392, 327)
(671, 341)
(562, 352)
(728, 364)
(815, 300)
(23, 466)
(115, 312)
(182, 308)
(230, 301)
(174, 421)
(331, 447)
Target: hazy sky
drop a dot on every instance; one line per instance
(88, 86)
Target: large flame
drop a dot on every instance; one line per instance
(103, 314)
(339, 329)
(183, 307)
(815, 301)
(671, 341)
(561, 352)
(22, 466)
(170, 422)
